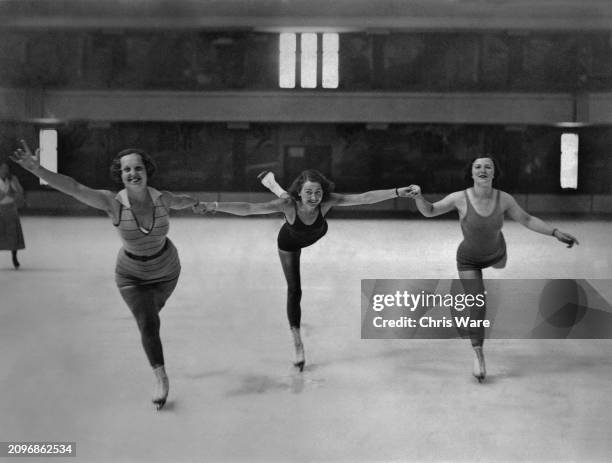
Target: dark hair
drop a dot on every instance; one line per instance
(115, 168)
(311, 175)
(467, 174)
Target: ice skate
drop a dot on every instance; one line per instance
(300, 359)
(479, 371)
(162, 386)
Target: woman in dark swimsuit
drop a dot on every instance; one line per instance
(309, 200)
(481, 214)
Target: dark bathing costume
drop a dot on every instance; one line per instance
(298, 235)
(292, 238)
(483, 243)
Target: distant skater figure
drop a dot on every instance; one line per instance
(11, 197)
(305, 206)
(148, 267)
(481, 211)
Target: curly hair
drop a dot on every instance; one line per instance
(115, 167)
(314, 176)
(467, 173)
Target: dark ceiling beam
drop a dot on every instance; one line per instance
(318, 14)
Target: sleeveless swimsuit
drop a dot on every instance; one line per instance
(147, 256)
(298, 235)
(483, 243)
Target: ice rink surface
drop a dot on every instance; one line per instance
(72, 367)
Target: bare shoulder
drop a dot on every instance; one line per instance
(331, 201)
(114, 206)
(457, 198)
(108, 195)
(283, 203)
(167, 198)
(286, 206)
(457, 195)
(506, 200)
(460, 201)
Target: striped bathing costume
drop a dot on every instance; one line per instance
(147, 256)
(483, 243)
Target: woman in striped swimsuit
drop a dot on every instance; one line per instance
(309, 200)
(481, 214)
(148, 266)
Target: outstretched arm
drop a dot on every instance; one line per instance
(517, 213)
(428, 209)
(175, 201)
(369, 197)
(243, 208)
(100, 199)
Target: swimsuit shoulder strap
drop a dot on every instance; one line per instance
(116, 224)
(498, 202)
(295, 212)
(468, 202)
(297, 216)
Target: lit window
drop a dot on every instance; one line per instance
(47, 140)
(309, 58)
(330, 60)
(308, 61)
(286, 69)
(569, 160)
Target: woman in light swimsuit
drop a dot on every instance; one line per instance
(481, 211)
(148, 266)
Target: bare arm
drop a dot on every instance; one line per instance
(369, 197)
(243, 208)
(535, 224)
(100, 199)
(428, 209)
(174, 201)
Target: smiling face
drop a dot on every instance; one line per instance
(311, 193)
(483, 170)
(133, 171)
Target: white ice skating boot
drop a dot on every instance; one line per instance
(480, 370)
(267, 179)
(300, 359)
(162, 386)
